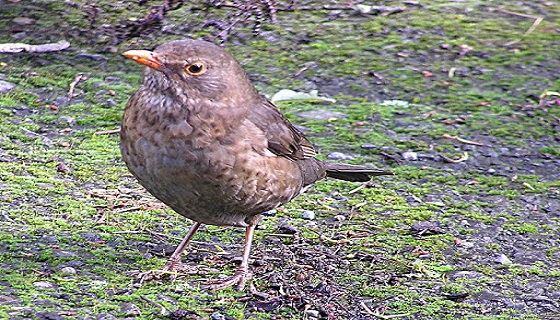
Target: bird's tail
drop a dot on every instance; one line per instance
(353, 173)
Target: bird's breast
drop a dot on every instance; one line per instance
(208, 165)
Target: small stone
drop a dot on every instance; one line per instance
(410, 156)
(61, 100)
(502, 259)
(98, 283)
(23, 21)
(312, 313)
(339, 156)
(6, 86)
(491, 171)
(109, 103)
(169, 28)
(269, 213)
(369, 146)
(43, 303)
(493, 154)
(339, 217)
(105, 316)
(19, 35)
(64, 254)
(91, 56)
(40, 285)
(91, 237)
(66, 121)
(321, 115)
(217, 316)
(48, 316)
(130, 309)
(390, 133)
(285, 228)
(43, 185)
(68, 270)
(308, 215)
(466, 245)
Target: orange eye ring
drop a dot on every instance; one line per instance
(196, 68)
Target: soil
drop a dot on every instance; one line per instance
(467, 228)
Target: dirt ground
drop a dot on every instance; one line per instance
(459, 98)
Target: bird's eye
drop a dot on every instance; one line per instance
(195, 68)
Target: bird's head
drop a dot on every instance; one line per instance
(193, 69)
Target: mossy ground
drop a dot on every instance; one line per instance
(419, 245)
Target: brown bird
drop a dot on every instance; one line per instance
(199, 137)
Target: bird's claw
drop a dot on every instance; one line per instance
(171, 269)
(240, 278)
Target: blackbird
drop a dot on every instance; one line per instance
(199, 137)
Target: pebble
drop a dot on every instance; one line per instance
(43, 285)
(502, 259)
(410, 156)
(91, 56)
(23, 21)
(321, 115)
(339, 217)
(98, 283)
(48, 316)
(61, 101)
(66, 121)
(6, 86)
(339, 156)
(19, 35)
(105, 316)
(369, 146)
(308, 215)
(466, 245)
(91, 237)
(312, 313)
(217, 316)
(64, 254)
(130, 309)
(109, 103)
(68, 270)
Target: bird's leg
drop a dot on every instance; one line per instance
(240, 276)
(174, 261)
(175, 258)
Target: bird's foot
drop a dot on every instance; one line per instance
(171, 268)
(240, 278)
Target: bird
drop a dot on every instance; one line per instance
(199, 137)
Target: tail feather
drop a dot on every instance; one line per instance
(352, 173)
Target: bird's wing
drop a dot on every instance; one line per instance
(283, 138)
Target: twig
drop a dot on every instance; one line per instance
(362, 186)
(300, 71)
(379, 315)
(107, 132)
(78, 78)
(465, 141)
(162, 310)
(394, 158)
(532, 28)
(514, 13)
(128, 209)
(463, 158)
